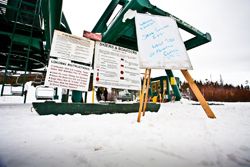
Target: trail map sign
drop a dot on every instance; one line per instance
(116, 67)
(159, 43)
(70, 47)
(67, 75)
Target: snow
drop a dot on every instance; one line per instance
(178, 135)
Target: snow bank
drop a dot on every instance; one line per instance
(180, 134)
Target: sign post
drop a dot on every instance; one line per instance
(144, 94)
(147, 87)
(198, 94)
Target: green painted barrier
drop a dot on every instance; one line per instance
(52, 107)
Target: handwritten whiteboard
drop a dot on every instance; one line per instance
(160, 44)
(116, 67)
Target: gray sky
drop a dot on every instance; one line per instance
(226, 20)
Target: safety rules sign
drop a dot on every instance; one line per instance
(116, 67)
(67, 75)
(68, 54)
(71, 47)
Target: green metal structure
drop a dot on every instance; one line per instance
(27, 26)
(51, 107)
(161, 85)
(26, 31)
(124, 33)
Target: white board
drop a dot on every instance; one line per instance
(71, 47)
(67, 75)
(159, 43)
(116, 67)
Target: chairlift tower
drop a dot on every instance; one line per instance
(27, 26)
(124, 33)
(26, 31)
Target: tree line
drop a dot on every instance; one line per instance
(214, 91)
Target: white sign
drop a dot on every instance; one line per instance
(72, 47)
(67, 75)
(116, 67)
(159, 43)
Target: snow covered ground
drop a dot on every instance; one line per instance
(179, 135)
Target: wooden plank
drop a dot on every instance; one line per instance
(142, 97)
(147, 87)
(198, 94)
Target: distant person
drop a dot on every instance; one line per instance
(27, 85)
(172, 97)
(98, 94)
(105, 93)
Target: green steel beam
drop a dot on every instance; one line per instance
(101, 25)
(64, 25)
(117, 28)
(174, 86)
(23, 40)
(52, 12)
(197, 41)
(54, 19)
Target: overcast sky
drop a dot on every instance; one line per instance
(226, 20)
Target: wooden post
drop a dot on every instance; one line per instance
(198, 94)
(147, 86)
(142, 97)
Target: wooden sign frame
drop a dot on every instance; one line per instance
(193, 86)
(161, 46)
(144, 94)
